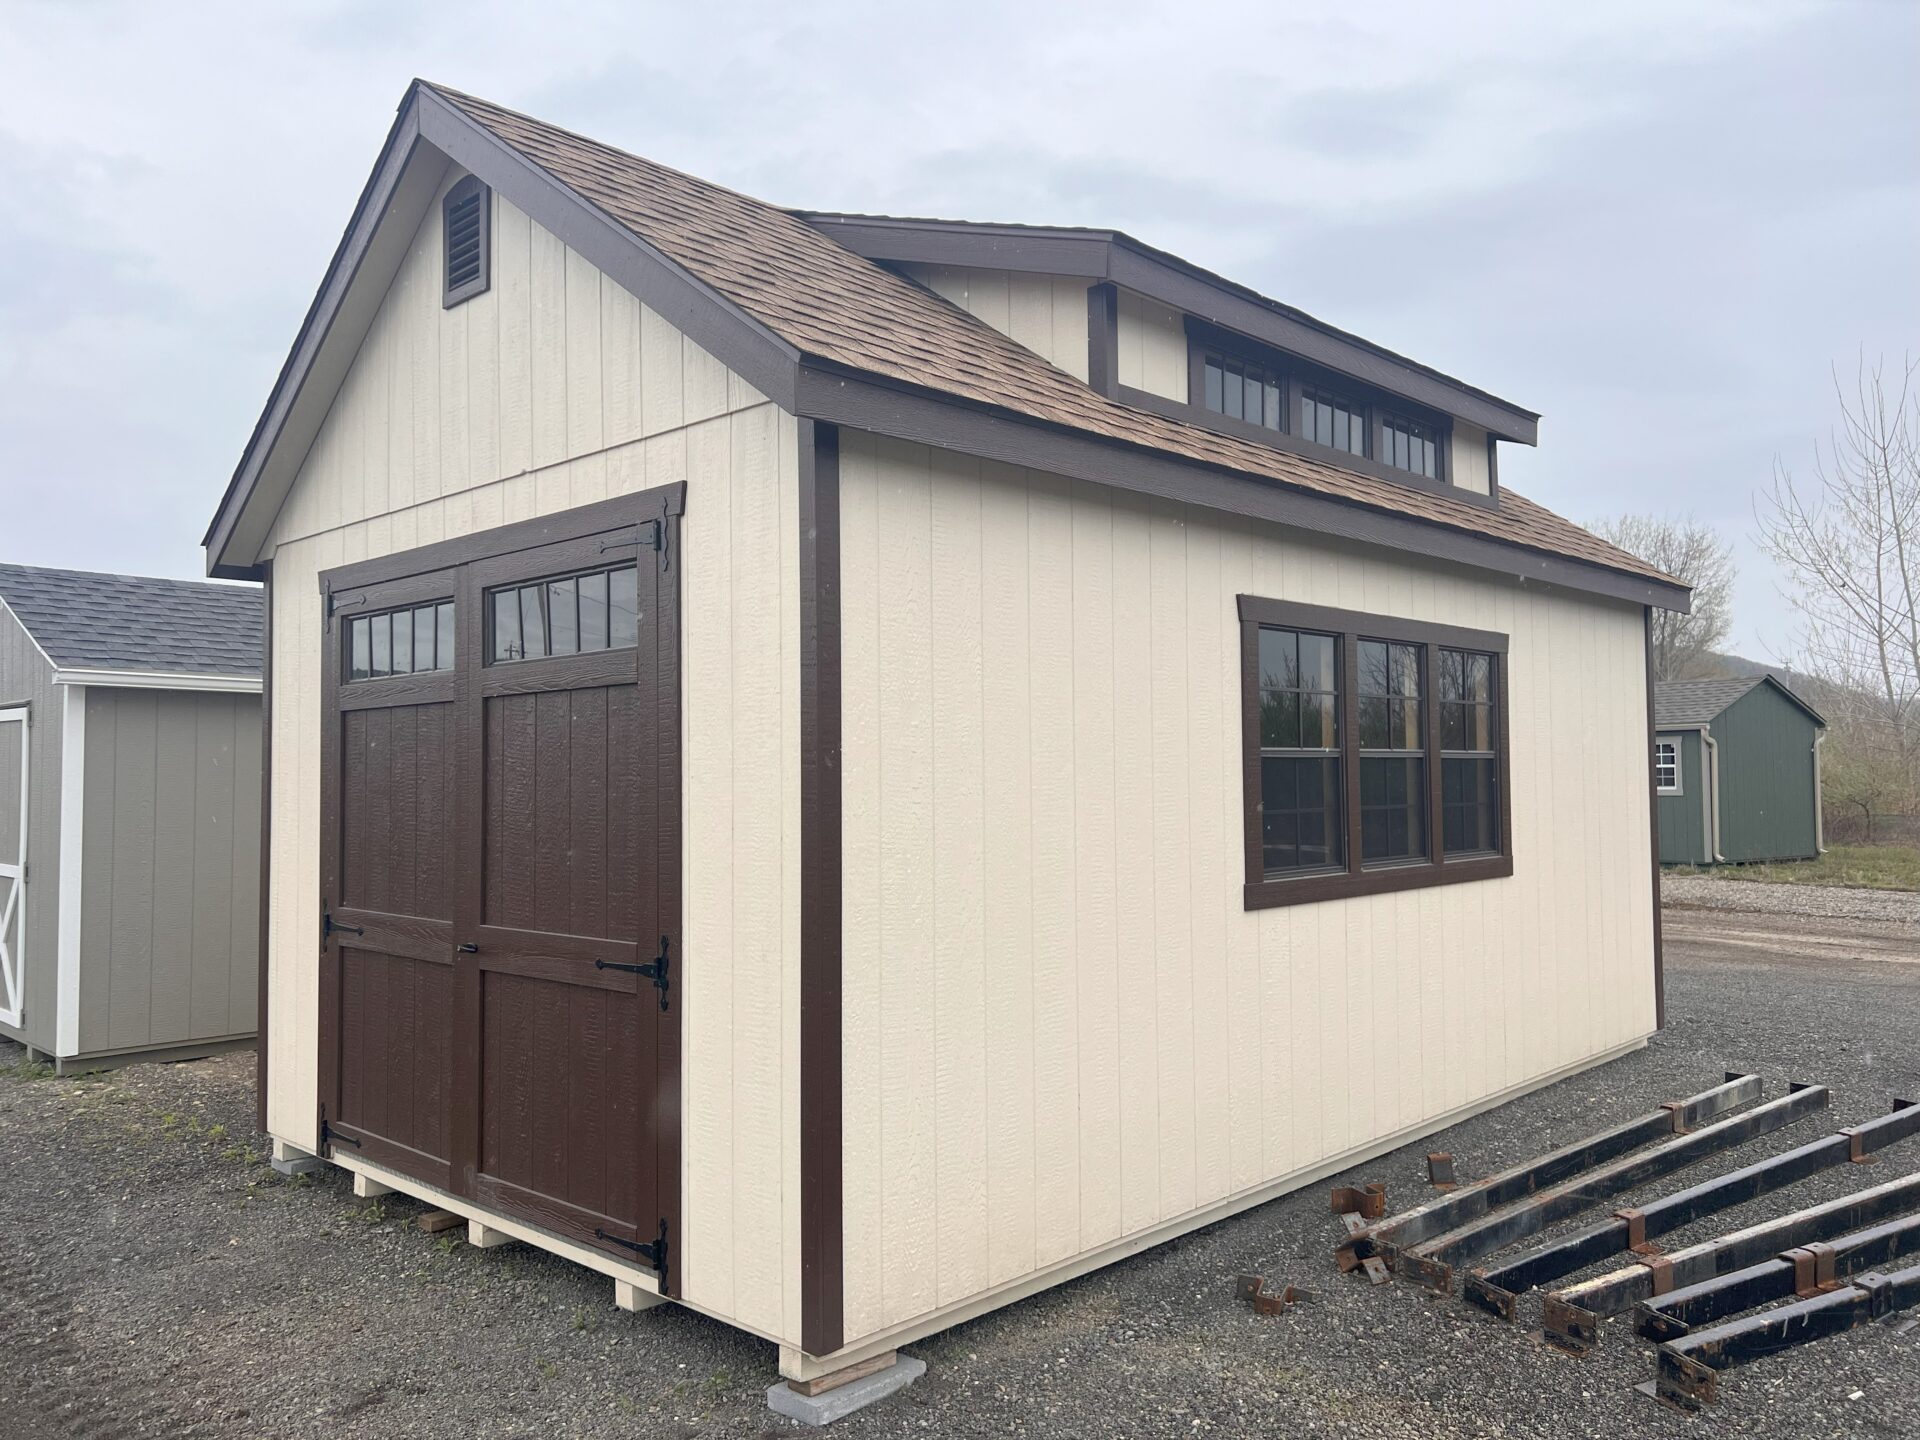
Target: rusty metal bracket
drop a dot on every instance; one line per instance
(1253, 1289)
(1368, 1201)
(1636, 1228)
(1813, 1269)
(1376, 1269)
(1440, 1171)
(1660, 1272)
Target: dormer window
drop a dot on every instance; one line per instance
(1409, 445)
(467, 230)
(1330, 419)
(1244, 390)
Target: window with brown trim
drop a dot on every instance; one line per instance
(1331, 419)
(1243, 389)
(1375, 753)
(1410, 445)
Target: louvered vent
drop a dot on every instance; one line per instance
(465, 217)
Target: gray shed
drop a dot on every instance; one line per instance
(129, 815)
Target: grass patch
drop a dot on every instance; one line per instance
(1859, 867)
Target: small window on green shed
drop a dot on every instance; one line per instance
(1666, 767)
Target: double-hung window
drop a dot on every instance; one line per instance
(1666, 766)
(1375, 753)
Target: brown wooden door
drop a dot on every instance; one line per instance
(523, 991)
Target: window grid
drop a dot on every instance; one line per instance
(1300, 761)
(1333, 420)
(1245, 390)
(1409, 445)
(413, 641)
(1469, 768)
(1666, 767)
(575, 614)
(1393, 758)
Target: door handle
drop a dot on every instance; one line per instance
(469, 949)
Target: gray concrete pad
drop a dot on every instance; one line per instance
(826, 1408)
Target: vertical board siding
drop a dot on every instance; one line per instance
(170, 869)
(555, 388)
(1045, 313)
(27, 675)
(1062, 1027)
(1766, 778)
(1153, 347)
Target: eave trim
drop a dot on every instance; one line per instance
(858, 402)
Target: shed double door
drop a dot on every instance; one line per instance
(500, 872)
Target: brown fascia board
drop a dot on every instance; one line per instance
(738, 341)
(859, 402)
(1158, 275)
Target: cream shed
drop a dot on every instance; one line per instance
(843, 770)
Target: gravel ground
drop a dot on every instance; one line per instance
(1892, 908)
(157, 1279)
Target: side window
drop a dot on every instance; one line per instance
(1666, 767)
(1375, 753)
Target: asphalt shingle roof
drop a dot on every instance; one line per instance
(1697, 702)
(832, 304)
(90, 621)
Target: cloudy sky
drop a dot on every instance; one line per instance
(1658, 224)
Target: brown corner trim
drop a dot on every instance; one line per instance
(822, 1236)
(861, 403)
(266, 847)
(1103, 339)
(1653, 837)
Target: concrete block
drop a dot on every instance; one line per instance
(628, 1296)
(366, 1187)
(288, 1161)
(485, 1237)
(843, 1400)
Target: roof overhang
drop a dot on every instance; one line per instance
(158, 680)
(1118, 257)
(430, 133)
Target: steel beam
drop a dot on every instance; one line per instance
(1433, 1262)
(1497, 1289)
(1690, 1366)
(1386, 1237)
(1573, 1315)
(1794, 1273)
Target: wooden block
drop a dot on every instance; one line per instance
(834, 1381)
(367, 1188)
(485, 1237)
(631, 1297)
(434, 1221)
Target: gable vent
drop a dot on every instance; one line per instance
(464, 217)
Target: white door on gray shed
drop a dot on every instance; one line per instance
(13, 860)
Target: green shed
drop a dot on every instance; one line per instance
(1737, 768)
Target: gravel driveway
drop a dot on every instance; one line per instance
(157, 1279)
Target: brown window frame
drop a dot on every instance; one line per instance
(1206, 341)
(1350, 627)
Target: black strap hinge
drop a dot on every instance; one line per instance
(654, 1252)
(328, 928)
(330, 1136)
(654, 970)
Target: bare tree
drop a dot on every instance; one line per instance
(1849, 542)
(1688, 550)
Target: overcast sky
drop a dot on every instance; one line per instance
(1658, 224)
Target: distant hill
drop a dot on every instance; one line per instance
(1739, 667)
